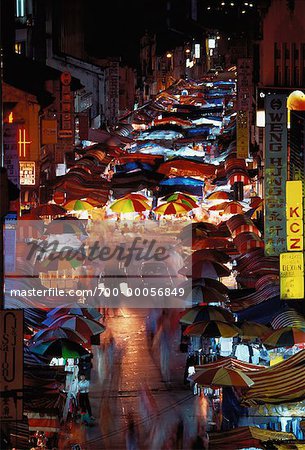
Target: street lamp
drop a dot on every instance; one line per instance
(169, 55)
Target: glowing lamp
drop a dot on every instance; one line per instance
(296, 101)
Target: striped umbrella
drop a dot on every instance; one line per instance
(172, 208)
(53, 333)
(135, 196)
(84, 326)
(252, 330)
(129, 205)
(219, 195)
(181, 198)
(222, 377)
(78, 205)
(61, 348)
(212, 328)
(285, 337)
(201, 313)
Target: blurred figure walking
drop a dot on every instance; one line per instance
(132, 436)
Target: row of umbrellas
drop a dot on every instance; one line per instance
(216, 321)
(68, 330)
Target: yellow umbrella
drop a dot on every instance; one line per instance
(172, 208)
(129, 205)
(78, 205)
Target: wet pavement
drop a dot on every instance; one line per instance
(115, 391)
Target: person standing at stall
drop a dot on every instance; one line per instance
(83, 389)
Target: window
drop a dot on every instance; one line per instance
(20, 8)
(20, 48)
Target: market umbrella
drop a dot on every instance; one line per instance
(172, 208)
(233, 208)
(204, 294)
(285, 337)
(212, 283)
(61, 348)
(212, 328)
(201, 313)
(49, 210)
(129, 205)
(135, 196)
(78, 205)
(181, 198)
(76, 309)
(222, 377)
(53, 333)
(252, 330)
(219, 195)
(84, 326)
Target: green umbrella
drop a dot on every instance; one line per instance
(60, 348)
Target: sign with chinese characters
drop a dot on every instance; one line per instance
(9, 234)
(294, 215)
(114, 77)
(48, 131)
(11, 364)
(11, 153)
(65, 131)
(245, 84)
(242, 130)
(27, 173)
(292, 275)
(275, 174)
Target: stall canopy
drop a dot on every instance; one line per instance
(282, 383)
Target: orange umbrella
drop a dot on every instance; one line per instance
(222, 206)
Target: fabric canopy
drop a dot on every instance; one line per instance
(282, 383)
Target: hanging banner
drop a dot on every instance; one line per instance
(275, 174)
(292, 276)
(242, 130)
(11, 153)
(294, 215)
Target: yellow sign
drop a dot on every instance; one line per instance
(27, 173)
(242, 131)
(292, 276)
(294, 215)
(49, 131)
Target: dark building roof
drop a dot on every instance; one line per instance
(30, 76)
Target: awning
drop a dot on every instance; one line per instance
(43, 422)
(282, 383)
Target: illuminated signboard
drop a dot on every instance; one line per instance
(245, 84)
(27, 173)
(242, 130)
(292, 275)
(275, 174)
(294, 215)
(197, 51)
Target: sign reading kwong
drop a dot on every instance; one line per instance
(294, 215)
(275, 174)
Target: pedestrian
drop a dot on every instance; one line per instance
(132, 437)
(84, 402)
